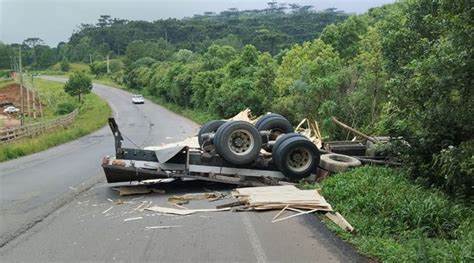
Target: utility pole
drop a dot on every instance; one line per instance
(90, 59)
(28, 100)
(22, 116)
(34, 101)
(108, 65)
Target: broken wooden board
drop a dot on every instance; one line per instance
(278, 197)
(182, 212)
(137, 190)
(339, 220)
(183, 199)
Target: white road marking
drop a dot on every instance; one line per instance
(254, 241)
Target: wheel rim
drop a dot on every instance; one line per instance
(240, 142)
(299, 159)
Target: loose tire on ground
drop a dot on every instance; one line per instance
(238, 142)
(334, 162)
(209, 127)
(276, 124)
(296, 156)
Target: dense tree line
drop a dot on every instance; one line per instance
(271, 29)
(35, 54)
(402, 70)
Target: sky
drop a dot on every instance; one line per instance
(55, 20)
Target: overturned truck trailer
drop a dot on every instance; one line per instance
(233, 151)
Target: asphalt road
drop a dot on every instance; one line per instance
(55, 206)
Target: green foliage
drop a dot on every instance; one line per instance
(98, 68)
(432, 93)
(204, 88)
(160, 50)
(344, 37)
(65, 66)
(78, 84)
(397, 221)
(6, 53)
(308, 83)
(265, 29)
(65, 108)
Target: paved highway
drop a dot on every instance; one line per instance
(54, 207)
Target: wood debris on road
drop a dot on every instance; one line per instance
(184, 199)
(137, 190)
(161, 227)
(166, 210)
(278, 197)
(287, 198)
(133, 218)
(339, 220)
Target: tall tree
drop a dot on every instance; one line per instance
(78, 84)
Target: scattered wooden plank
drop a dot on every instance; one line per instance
(161, 227)
(232, 204)
(339, 220)
(134, 190)
(133, 218)
(107, 210)
(345, 126)
(277, 197)
(182, 212)
(295, 215)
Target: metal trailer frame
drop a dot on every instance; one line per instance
(131, 164)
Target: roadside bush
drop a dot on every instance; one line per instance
(116, 66)
(4, 73)
(65, 108)
(65, 66)
(454, 168)
(98, 68)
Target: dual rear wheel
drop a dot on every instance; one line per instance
(240, 142)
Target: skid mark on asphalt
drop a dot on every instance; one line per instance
(254, 241)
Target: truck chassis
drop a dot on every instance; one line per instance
(131, 164)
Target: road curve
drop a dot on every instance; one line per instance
(32, 186)
(88, 227)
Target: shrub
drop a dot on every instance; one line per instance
(65, 66)
(65, 108)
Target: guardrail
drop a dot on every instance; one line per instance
(34, 129)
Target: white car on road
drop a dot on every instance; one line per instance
(11, 109)
(138, 99)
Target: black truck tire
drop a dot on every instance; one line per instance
(276, 124)
(238, 142)
(209, 127)
(334, 162)
(282, 138)
(296, 156)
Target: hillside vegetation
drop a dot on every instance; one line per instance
(402, 70)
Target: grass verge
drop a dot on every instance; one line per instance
(93, 114)
(397, 221)
(193, 114)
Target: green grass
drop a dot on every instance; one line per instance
(5, 82)
(397, 221)
(193, 114)
(93, 114)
